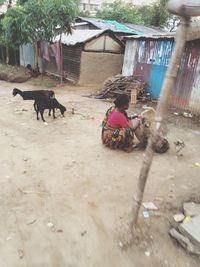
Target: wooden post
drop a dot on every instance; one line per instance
(133, 96)
(61, 61)
(159, 116)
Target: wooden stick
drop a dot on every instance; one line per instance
(61, 60)
(159, 117)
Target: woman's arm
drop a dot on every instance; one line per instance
(134, 124)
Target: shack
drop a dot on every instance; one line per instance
(88, 56)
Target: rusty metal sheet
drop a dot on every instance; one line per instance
(182, 91)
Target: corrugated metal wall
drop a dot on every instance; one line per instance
(194, 103)
(145, 60)
(186, 82)
(161, 53)
(26, 53)
(71, 62)
(50, 66)
(149, 60)
(130, 57)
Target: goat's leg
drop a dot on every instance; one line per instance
(54, 113)
(50, 112)
(34, 105)
(37, 112)
(41, 113)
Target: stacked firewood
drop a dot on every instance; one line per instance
(119, 84)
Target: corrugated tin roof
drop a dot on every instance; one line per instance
(144, 29)
(193, 34)
(169, 35)
(79, 36)
(109, 25)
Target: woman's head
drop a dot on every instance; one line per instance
(28, 66)
(122, 102)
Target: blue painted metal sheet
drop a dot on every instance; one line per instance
(159, 62)
(150, 62)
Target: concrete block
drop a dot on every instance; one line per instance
(191, 209)
(192, 230)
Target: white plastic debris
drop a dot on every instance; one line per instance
(50, 224)
(147, 253)
(178, 217)
(121, 244)
(145, 107)
(21, 253)
(145, 214)
(149, 206)
(185, 114)
(45, 123)
(9, 238)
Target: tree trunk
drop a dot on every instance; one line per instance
(35, 48)
(2, 54)
(159, 117)
(23, 55)
(15, 56)
(7, 54)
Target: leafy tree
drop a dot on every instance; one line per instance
(84, 13)
(44, 19)
(11, 34)
(153, 15)
(120, 12)
(38, 20)
(157, 15)
(11, 26)
(3, 41)
(21, 2)
(58, 15)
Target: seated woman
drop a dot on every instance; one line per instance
(32, 72)
(118, 129)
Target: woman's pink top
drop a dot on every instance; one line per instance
(118, 120)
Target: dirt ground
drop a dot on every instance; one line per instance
(65, 200)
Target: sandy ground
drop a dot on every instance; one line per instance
(65, 200)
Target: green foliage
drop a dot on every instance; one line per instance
(11, 26)
(34, 20)
(84, 13)
(3, 40)
(120, 12)
(21, 2)
(155, 14)
(2, 2)
(152, 15)
(58, 15)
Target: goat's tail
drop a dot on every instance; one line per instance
(16, 91)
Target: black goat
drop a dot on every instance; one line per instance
(50, 104)
(33, 95)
